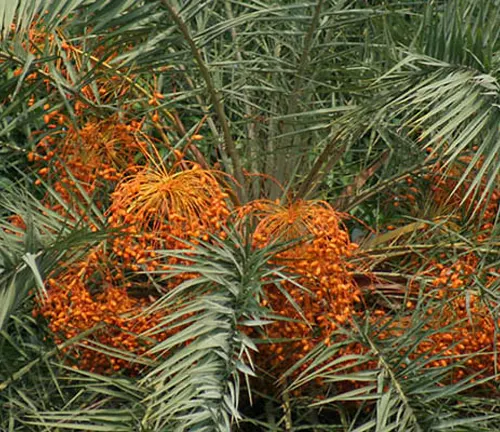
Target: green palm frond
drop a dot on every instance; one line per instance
(398, 393)
(444, 88)
(55, 397)
(28, 253)
(197, 383)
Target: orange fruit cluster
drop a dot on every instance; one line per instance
(321, 293)
(166, 208)
(89, 160)
(87, 297)
(470, 334)
(104, 163)
(150, 208)
(470, 326)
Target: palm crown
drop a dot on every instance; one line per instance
(179, 181)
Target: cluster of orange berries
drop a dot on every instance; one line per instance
(90, 297)
(106, 164)
(172, 209)
(149, 206)
(468, 326)
(321, 293)
(92, 156)
(472, 325)
(154, 207)
(78, 165)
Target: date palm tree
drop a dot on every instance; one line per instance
(352, 102)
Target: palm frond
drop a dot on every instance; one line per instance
(197, 383)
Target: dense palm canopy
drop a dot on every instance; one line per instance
(268, 215)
